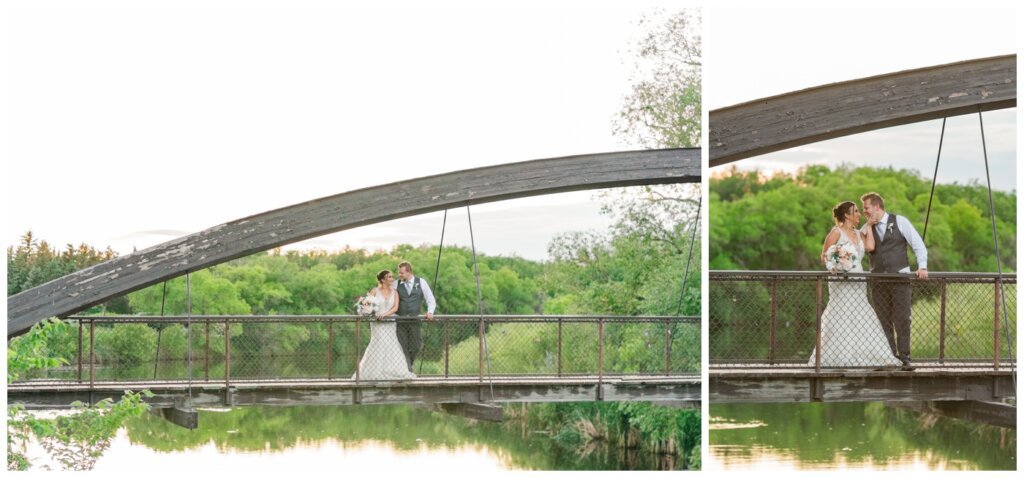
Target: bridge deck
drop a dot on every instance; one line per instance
(930, 382)
(674, 390)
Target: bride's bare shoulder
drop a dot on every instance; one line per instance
(833, 235)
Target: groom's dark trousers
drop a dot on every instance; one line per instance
(891, 297)
(408, 327)
(891, 301)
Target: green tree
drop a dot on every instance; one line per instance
(663, 110)
(76, 440)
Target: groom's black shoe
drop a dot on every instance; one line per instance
(906, 365)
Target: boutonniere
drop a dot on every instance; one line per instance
(416, 285)
(889, 228)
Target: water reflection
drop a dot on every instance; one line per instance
(378, 438)
(863, 436)
(371, 456)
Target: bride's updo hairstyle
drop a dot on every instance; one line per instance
(382, 274)
(841, 210)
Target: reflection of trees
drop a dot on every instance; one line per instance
(863, 432)
(519, 443)
(75, 456)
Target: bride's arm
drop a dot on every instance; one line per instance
(394, 308)
(830, 240)
(869, 238)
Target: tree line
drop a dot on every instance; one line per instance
(779, 221)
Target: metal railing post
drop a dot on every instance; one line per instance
(817, 327)
(480, 355)
(942, 322)
(81, 332)
(446, 348)
(92, 353)
(600, 358)
(668, 346)
(206, 365)
(772, 325)
(559, 353)
(358, 353)
(330, 348)
(227, 353)
(995, 327)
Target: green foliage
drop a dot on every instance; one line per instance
(638, 270)
(663, 110)
(33, 262)
(657, 429)
(30, 351)
(75, 440)
(780, 222)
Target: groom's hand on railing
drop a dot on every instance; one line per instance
(430, 316)
(922, 274)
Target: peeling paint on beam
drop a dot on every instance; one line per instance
(831, 111)
(80, 290)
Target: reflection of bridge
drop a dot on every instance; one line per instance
(464, 360)
(765, 336)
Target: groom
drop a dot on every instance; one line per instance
(412, 292)
(893, 234)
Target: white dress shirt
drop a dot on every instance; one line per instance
(909, 233)
(427, 293)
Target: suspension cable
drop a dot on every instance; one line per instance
(188, 329)
(686, 272)
(159, 331)
(480, 302)
(934, 177)
(999, 259)
(437, 269)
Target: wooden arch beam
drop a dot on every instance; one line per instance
(840, 109)
(82, 289)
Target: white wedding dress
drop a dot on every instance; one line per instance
(851, 335)
(384, 358)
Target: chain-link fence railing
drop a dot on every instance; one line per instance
(227, 349)
(797, 319)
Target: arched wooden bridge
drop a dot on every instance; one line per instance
(763, 324)
(663, 377)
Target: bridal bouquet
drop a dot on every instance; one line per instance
(369, 306)
(840, 259)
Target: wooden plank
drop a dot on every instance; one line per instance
(341, 392)
(816, 114)
(854, 388)
(94, 285)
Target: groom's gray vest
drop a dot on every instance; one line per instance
(889, 255)
(410, 303)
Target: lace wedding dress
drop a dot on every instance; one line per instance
(384, 358)
(851, 335)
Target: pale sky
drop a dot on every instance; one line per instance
(753, 53)
(131, 126)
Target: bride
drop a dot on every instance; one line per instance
(851, 335)
(383, 358)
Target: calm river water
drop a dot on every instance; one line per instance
(377, 438)
(859, 436)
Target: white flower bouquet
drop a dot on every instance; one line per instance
(369, 306)
(840, 259)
